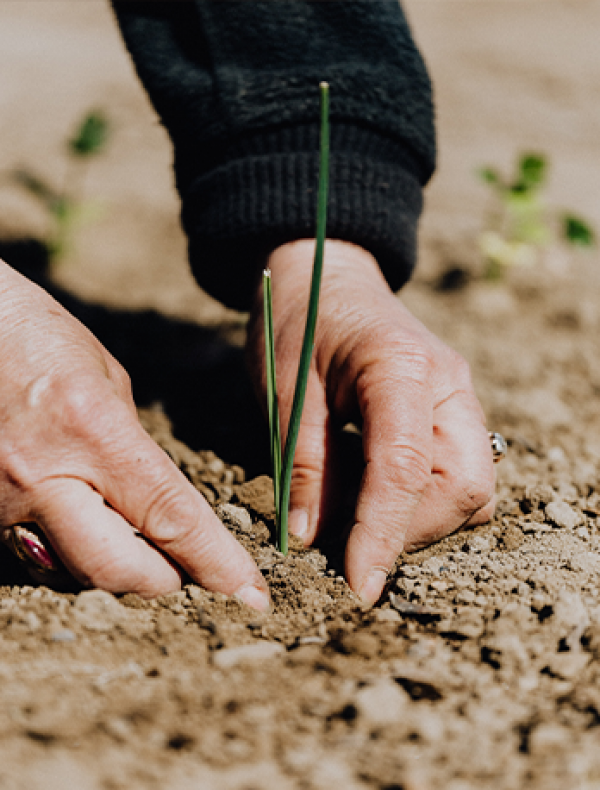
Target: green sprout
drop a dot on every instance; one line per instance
(519, 225)
(65, 207)
(282, 469)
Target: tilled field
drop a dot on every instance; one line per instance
(479, 668)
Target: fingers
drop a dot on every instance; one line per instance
(461, 488)
(97, 546)
(312, 495)
(149, 491)
(395, 399)
(109, 452)
(419, 484)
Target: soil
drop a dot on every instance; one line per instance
(480, 666)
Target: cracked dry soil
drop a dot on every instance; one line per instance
(480, 667)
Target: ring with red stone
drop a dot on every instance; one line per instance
(499, 446)
(27, 543)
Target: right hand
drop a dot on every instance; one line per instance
(75, 460)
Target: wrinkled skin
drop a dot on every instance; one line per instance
(429, 467)
(75, 460)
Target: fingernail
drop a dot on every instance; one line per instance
(298, 522)
(254, 597)
(372, 586)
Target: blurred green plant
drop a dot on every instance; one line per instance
(519, 224)
(66, 208)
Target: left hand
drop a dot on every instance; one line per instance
(428, 463)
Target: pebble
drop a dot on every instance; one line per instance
(361, 644)
(64, 635)
(98, 610)
(570, 611)
(468, 625)
(387, 616)
(479, 545)
(235, 516)
(567, 666)
(382, 703)
(563, 515)
(465, 597)
(31, 621)
(548, 737)
(247, 654)
(439, 586)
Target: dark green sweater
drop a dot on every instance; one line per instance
(236, 84)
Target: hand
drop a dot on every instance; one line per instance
(75, 460)
(428, 463)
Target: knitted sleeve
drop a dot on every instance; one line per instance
(235, 82)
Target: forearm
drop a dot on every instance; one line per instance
(236, 85)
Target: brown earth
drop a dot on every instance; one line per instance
(480, 667)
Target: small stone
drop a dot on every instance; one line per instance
(118, 728)
(216, 466)
(556, 455)
(479, 545)
(548, 737)
(563, 515)
(469, 626)
(235, 516)
(386, 616)
(567, 666)
(382, 703)
(98, 610)
(465, 597)
(570, 611)
(361, 644)
(64, 635)
(439, 586)
(539, 601)
(505, 649)
(31, 621)
(247, 654)
(168, 623)
(537, 496)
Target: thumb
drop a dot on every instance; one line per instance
(310, 494)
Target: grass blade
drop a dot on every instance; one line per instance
(311, 321)
(272, 403)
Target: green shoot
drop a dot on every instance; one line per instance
(91, 136)
(65, 207)
(519, 225)
(272, 402)
(577, 231)
(282, 487)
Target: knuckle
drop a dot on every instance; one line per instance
(107, 570)
(305, 476)
(460, 367)
(171, 517)
(475, 492)
(121, 379)
(409, 468)
(418, 360)
(81, 404)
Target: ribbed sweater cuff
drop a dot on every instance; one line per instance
(262, 192)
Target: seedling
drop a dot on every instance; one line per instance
(282, 467)
(66, 207)
(519, 223)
